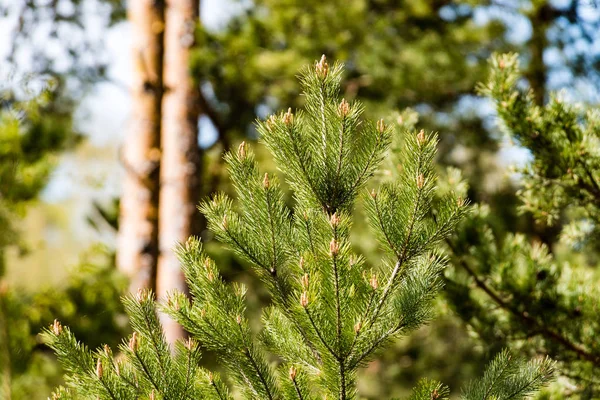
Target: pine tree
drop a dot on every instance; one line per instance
(331, 312)
(531, 296)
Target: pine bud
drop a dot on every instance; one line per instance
(380, 126)
(107, 350)
(173, 302)
(271, 122)
(305, 281)
(420, 181)
(242, 150)
(133, 342)
(57, 328)
(118, 367)
(334, 220)
(351, 261)
(373, 193)
(334, 247)
(288, 117)
(152, 395)
(190, 344)
(238, 319)
(99, 369)
(460, 202)
(302, 263)
(304, 299)
(374, 282)
(421, 137)
(344, 108)
(322, 67)
(224, 223)
(501, 64)
(357, 327)
(203, 313)
(293, 373)
(210, 276)
(211, 378)
(266, 183)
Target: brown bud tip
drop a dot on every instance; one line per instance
(334, 247)
(190, 344)
(224, 223)
(99, 369)
(334, 220)
(238, 319)
(242, 150)
(302, 263)
(502, 64)
(288, 117)
(107, 350)
(57, 327)
(293, 373)
(357, 327)
(173, 301)
(211, 377)
(322, 67)
(133, 342)
(304, 299)
(152, 395)
(271, 122)
(118, 367)
(374, 282)
(352, 261)
(266, 182)
(305, 281)
(421, 137)
(139, 295)
(460, 201)
(344, 108)
(373, 193)
(420, 181)
(380, 126)
(210, 276)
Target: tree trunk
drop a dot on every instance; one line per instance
(180, 159)
(137, 247)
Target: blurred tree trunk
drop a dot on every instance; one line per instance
(137, 249)
(181, 158)
(537, 73)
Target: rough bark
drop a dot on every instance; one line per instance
(137, 247)
(180, 161)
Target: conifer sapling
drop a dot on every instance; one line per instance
(331, 311)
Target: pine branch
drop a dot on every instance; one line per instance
(524, 315)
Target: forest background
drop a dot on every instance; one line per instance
(71, 66)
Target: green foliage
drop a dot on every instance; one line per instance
(30, 140)
(532, 296)
(331, 311)
(89, 301)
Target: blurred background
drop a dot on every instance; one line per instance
(115, 116)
